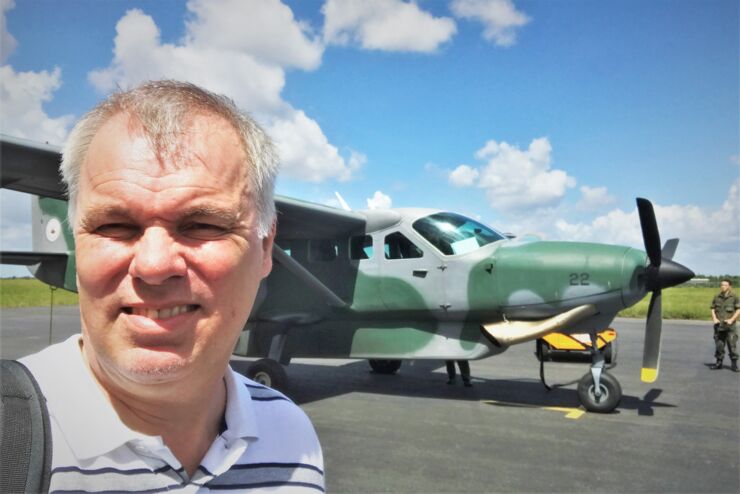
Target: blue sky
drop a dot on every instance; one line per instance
(532, 116)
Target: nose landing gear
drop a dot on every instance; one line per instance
(598, 390)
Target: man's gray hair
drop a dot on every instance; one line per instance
(164, 109)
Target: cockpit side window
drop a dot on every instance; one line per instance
(361, 247)
(397, 246)
(452, 233)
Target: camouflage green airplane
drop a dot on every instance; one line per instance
(390, 285)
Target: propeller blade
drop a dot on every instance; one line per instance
(651, 352)
(650, 234)
(669, 249)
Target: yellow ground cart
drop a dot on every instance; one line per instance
(561, 346)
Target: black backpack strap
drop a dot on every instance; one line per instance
(24, 431)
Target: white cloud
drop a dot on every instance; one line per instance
(710, 239)
(266, 29)
(463, 176)
(225, 49)
(22, 95)
(7, 41)
(379, 201)
(306, 153)
(499, 17)
(516, 179)
(139, 55)
(595, 198)
(390, 25)
(15, 228)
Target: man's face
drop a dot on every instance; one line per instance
(168, 256)
(724, 287)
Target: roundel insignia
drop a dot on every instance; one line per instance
(53, 229)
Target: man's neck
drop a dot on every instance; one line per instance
(188, 420)
(188, 429)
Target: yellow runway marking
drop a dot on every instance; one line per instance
(570, 413)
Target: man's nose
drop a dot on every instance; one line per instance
(157, 257)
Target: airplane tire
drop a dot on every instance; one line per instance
(611, 393)
(385, 366)
(268, 372)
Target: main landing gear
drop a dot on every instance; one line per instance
(598, 390)
(269, 373)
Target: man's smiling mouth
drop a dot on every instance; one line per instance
(160, 313)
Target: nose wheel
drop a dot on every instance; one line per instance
(598, 390)
(602, 397)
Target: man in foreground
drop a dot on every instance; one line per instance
(170, 196)
(725, 311)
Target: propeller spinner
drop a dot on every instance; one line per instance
(660, 273)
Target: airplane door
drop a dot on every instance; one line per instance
(410, 278)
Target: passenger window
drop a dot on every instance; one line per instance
(397, 246)
(361, 247)
(323, 250)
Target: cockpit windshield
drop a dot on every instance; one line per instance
(454, 234)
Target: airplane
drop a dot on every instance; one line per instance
(389, 285)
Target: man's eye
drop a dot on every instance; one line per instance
(117, 230)
(203, 231)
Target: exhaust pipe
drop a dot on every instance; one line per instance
(507, 333)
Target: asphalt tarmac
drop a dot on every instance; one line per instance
(411, 432)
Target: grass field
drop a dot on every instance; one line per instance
(678, 302)
(31, 293)
(681, 302)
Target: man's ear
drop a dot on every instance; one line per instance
(267, 244)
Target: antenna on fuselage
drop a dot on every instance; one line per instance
(341, 200)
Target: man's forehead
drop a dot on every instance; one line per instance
(208, 141)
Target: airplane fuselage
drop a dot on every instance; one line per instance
(402, 296)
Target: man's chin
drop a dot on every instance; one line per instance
(153, 367)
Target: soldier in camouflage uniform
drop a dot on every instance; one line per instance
(725, 311)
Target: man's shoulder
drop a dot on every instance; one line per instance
(257, 391)
(267, 402)
(277, 420)
(53, 357)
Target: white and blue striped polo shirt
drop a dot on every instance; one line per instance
(269, 445)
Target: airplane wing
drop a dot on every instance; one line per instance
(30, 167)
(302, 219)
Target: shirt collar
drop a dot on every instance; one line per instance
(241, 421)
(86, 418)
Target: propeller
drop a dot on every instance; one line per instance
(661, 272)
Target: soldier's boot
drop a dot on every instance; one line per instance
(733, 367)
(718, 365)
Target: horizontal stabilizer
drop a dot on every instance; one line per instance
(506, 333)
(29, 258)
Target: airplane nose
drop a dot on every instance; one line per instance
(668, 274)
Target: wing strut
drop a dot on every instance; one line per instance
(305, 276)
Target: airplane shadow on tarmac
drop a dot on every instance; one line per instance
(427, 379)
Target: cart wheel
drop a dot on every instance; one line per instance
(544, 352)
